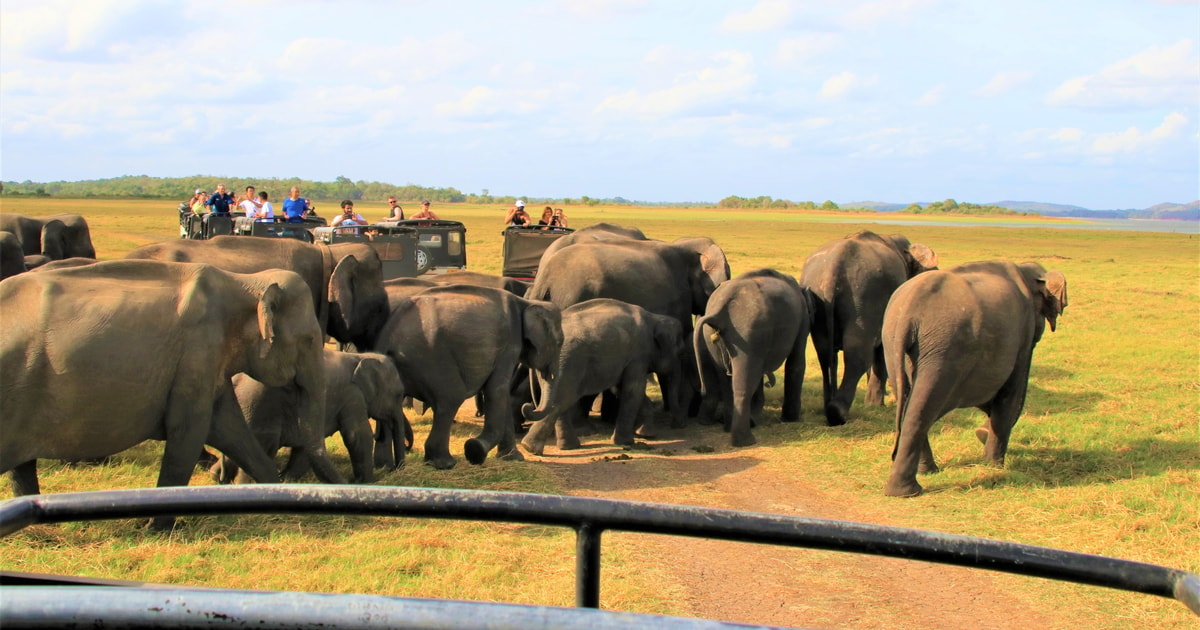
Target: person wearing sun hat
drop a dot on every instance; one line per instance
(517, 215)
(425, 212)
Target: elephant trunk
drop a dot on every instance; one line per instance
(539, 410)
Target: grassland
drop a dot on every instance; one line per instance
(1105, 460)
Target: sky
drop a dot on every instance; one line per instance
(1094, 103)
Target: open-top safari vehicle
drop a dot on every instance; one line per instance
(36, 600)
(524, 246)
(407, 248)
(205, 226)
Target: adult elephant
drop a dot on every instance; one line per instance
(450, 342)
(56, 237)
(851, 280)
(358, 386)
(96, 359)
(964, 338)
(345, 279)
(475, 278)
(12, 258)
(606, 344)
(754, 324)
(672, 279)
(593, 233)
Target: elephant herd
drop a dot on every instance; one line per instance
(222, 342)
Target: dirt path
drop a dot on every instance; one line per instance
(764, 584)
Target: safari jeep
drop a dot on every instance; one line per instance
(407, 248)
(523, 248)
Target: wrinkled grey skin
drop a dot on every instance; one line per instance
(357, 387)
(474, 278)
(851, 280)
(12, 258)
(96, 359)
(65, 263)
(606, 344)
(346, 279)
(595, 232)
(754, 324)
(672, 279)
(56, 237)
(964, 338)
(450, 342)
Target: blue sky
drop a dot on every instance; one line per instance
(1094, 103)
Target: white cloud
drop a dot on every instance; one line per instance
(806, 47)
(892, 12)
(765, 16)
(605, 8)
(692, 91)
(1134, 140)
(1002, 83)
(844, 85)
(1156, 76)
(932, 97)
(1068, 134)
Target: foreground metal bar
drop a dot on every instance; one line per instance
(603, 514)
(116, 607)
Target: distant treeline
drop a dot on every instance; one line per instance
(951, 206)
(181, 188)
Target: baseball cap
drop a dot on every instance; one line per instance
(198, 191)
(520, 203)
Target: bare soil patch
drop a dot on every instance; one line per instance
(764, 584)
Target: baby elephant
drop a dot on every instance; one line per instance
(358, 386)
(752, 325)
(964, 338)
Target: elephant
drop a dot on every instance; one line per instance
(56, 237)
(958, 338)
(851, 280)
(357, 387)
(672, 279)
(12, 258)
(592, 233)
(450, 342)
(606, 344)
(96, 359)
(754, 324)
(66, 263)
(345, 279)
(512, 285)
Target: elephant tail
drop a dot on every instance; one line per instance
(701, 346)
(902, 384)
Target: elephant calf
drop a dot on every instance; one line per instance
(964, 338)
(752, 325)
(357, 387)
(606, 344)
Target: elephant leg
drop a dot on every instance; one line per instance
(877, 379)
(610, 405)
(356, 435)
(631, 393)
(567, 424)
(480, 405)
(385, 446)
(230, 435)
(827, 358)
(925, 462)
(857, 355)
(497, 425)
(746, 381)
(1004, 410)
(24, 479)
(437, 443)
(793, 381)
(931, 391)
(539, 432)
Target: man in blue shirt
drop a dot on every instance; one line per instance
(295, 207)
(221, 202)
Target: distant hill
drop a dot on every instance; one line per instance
(1047, 209)
(877, 206)
(1167, 211)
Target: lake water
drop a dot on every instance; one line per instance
(1129, 225)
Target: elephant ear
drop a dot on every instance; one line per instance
(268, 308)
(54, 235)
(1054, 296)
(342, 294)
(923, 259)
(711, 270)
(366, 376)
(541, 329)
(668, 336)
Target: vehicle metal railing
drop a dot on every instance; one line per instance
(590, 517)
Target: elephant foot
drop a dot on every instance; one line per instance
(206, 458)
(790, 417)
(163, 524)
(903, 489)
(983, 434)
(743, 439)
(928, 469)
(534, 448)
(475, 451)
(569, 444)
(835, 416)
(441, 462)
(648, 430)
(511, 455)
(625, 441)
